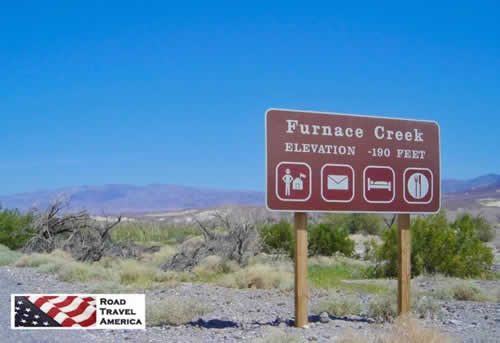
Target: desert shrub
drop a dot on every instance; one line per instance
(371, 224)
(467, 291)
(264, 258)
(32, 260)
(81, 272)
(111, 262)
(427, 307)
(50, 268)
(174, 311)
(15, 229)
(62, 264)
(179, 234)
(134, 273)
(351, 336)
(405, 329)
(212, 267)
(370, 249)
(85, 238)
(445, 293)
(275, 335)
(464, 290)
(277, 238)
(481, 227)
(383, 308)
(37, 259)
(327, 239)
(161, 256)
(151, 232)
(260, 276)
(7, 256)
(386, 254)
(233, 236)
(108, 286)
(436, 247)
(112, 271)
(339, 306)
(182, 276)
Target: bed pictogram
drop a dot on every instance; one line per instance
(372, 184)
(379, 184)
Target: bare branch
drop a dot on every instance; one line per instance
(238, 241)
(109, 227)
(205, 231)
(77, 233)
(390, 222)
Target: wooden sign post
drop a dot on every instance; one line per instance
(404, 268)
(301, 287)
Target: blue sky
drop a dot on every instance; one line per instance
(150, 92)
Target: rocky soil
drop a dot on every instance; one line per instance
(245, 315)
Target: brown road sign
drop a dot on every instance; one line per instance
(351, 163)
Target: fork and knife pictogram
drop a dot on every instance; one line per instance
(418, 185)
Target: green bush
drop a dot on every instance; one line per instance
(468, 291)
(383, 308)
(482, 228)
(15, 229)
(174, 311)
(371, 224)
(370, 249)
(437, 247)
(327, 239)
(428, 307)
(150, 232)
(7, 256)
(339, 306)
(278, 238)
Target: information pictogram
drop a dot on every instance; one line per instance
(293, 181)
(379, 184)
(337, 183)
(418, 185)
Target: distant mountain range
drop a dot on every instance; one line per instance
(114, 199)
(484, 181)
(128, 199)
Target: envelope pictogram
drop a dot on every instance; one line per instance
(338, 182)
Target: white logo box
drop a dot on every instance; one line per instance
(113, 311)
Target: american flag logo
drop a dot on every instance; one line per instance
(52, 311)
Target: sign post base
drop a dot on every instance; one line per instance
(404, 265)
(301, 287)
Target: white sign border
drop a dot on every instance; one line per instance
(354, 115)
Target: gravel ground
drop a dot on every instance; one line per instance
(238, 315)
